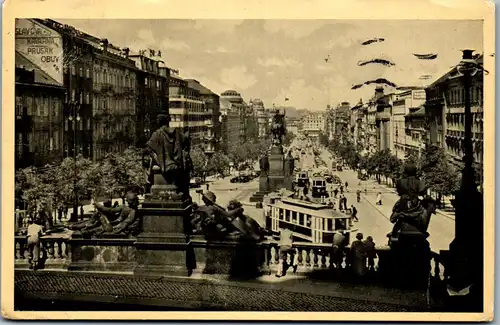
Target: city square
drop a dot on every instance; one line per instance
(141, 186)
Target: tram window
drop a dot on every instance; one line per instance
(281, 215)
(287, 215)
(294, 217)
(308, 221)
(301, 219)
(339, 224)
(329, 224)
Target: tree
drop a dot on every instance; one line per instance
(323, 139)
(238, 154)
(438, 174)
(218, 163)
(199, 161)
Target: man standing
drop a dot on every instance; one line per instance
(378, 201)
(346, 185)
(35, 231)
(338, 246)
(354, 213)
(285, 247)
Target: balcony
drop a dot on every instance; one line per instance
(106, 266)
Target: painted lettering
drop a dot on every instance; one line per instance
(50, 59)
(41, 40)
(33, 31)
(40, 50)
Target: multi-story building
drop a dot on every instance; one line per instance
(313, 124)
(251, 122)
(39, 102)
(357, 124)
(445, 113)
(212, 113)
(188, 110)
(330, 122)
(230, 125)
(383, 120)
(237, 104)
(415, 132)
(371, 125)
(404, 102)
(114, 100)
(292, 125)
(262, 118)
(342, 121)
(152, 89)
(76, 61)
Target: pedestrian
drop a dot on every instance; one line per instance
(81, 211)
(354, 213)
(358, 256)
(65, 211)
(59, 213)
(286, 246)
(378, 201)
(346, 186)
(208, 186)
(341, 202)
(358, 195)
(35, 231)
(338, 246)
(371, 252)
(345, 203)
(116, 204)
(341, 189)
(335, 192)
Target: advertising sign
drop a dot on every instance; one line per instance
(419, 94)
(42, 46)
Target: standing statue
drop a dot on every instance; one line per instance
(278, 128)
(264, 165)
(166, 157)
(289, 164)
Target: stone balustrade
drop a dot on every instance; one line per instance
(60, 251)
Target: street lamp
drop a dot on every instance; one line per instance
(74, 118)
(465, 263)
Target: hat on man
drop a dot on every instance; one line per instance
(209, 196)
(359, 236)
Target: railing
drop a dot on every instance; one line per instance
(55, 252)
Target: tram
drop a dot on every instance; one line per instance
(310, 222)
(318, 188)
(302, 179)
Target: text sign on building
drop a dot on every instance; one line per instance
(42, 46)
(419, 94)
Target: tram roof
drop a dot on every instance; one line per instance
(315, 209)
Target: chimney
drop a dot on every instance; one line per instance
(104, 43)
(126, 51)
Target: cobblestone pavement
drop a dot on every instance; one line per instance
(202, 292)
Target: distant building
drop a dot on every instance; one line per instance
(383, 120)
(238, 105)
(415, 132)
(313, 124)
(188, 110)
(357, 125)
(342, 120)
(262, 118)
(404, 103)
(212, 110)
(230, 125)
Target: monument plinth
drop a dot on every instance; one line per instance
(275, 172)
(164, 246)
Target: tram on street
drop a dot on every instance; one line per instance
(302, 179)
(310, 222)
(318, 188)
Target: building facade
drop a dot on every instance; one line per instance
(383, 120)
(342, 121)
(39, 103)
(212, 112)
(445, 113)
(371, 126)
(313, 124)
(415, 132)
(237, 105)
(262, 118)
(404, 102)
(230, 125)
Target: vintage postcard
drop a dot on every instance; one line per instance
(236, 160)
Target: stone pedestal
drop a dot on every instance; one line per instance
(275, 178)
(163, 247)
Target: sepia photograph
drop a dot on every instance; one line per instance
(250, 165)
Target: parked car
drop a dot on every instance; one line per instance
(195, 182)
(241, 179)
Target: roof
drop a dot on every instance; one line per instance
(195, 84)
(420, 111)
(41, 77)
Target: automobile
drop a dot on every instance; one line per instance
(195, 182)
(241, 179)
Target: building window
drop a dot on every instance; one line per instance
(73, 70)
(87, 74)
(87, 98)
(81, 72)
(146, 81)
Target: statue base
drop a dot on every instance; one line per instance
(163, 246)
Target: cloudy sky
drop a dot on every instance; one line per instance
(274, 59)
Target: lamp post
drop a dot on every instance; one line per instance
(74, 118)
(465, 263)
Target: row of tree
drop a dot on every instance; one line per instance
(57, 184)
(439, 175)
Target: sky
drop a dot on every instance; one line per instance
(277, 59)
